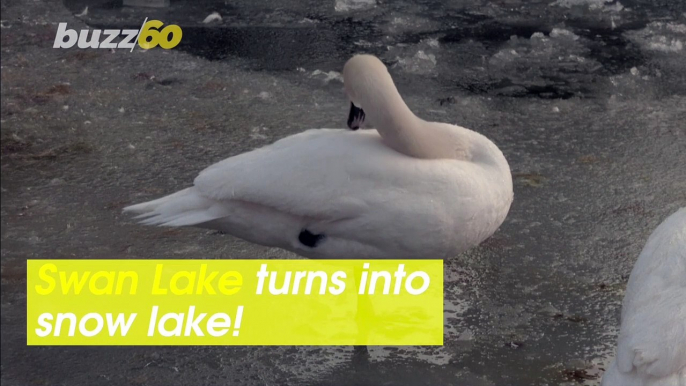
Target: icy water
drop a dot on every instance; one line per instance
(586, 98)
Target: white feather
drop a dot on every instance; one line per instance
(651, 349)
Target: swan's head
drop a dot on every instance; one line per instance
(362, 75)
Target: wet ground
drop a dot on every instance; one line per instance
(586, 98)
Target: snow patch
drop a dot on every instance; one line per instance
(563, 33)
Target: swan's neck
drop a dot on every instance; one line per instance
(395, 122)
(408, 134)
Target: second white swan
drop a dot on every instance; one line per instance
(651, 349)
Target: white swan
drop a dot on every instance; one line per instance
(409, 189)
(652, 340)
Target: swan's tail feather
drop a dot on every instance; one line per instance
(146, 208)
(191, 218)
(183, 208)
(143, 216)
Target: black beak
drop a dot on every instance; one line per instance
(356, 117)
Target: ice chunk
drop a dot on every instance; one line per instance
(83, 13)
(591, 4)
(352, 5)
(214, 16)
(420, 63)
(660, 36)
(563, 33)
(416, 59)
(584, 8)
(327, 76)
(256, 133)
(432, 43)
(308, 21)
(363, 43)
(553, 66)
(560, 45)
(399, 23)
(466, 335)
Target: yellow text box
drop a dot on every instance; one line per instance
(235, 302)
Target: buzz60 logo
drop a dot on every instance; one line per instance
(150, 35)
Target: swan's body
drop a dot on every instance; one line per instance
(412, 189)
(651, 350)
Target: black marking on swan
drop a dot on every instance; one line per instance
(309, 239)
(355, 117)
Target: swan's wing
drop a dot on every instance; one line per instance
(324, 174)
(653, 341)
(652, 338)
